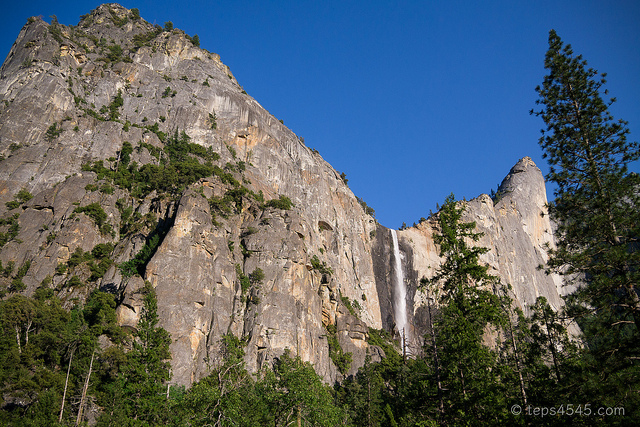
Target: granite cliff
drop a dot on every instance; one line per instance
(127, 137)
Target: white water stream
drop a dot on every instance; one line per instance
(400, 292)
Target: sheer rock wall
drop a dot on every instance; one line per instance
(65, 75)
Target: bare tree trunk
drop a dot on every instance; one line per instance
(552, 346)
(518, 367)
(464, 390)
(436, 360)
(508, 311)
(369, 401)
(66, 382)
(26, 332)
(84, 390)
(18, 339)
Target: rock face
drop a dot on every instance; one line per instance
(278, 277)
(517, 232)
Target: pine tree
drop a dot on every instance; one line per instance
(468, 308)
(137, 387)
(597, 202)
(597, 210)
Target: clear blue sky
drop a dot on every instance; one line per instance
(412, 100)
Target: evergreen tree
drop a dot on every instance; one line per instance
(597, 199)
(227, 395)
(134, 388)
(597, 210)
(363, 395)
(468, 308)
(295, 395)
(31, 347)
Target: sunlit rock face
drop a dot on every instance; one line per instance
(325, 262)
(515, 228)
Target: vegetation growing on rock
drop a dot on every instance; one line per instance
(192, 221)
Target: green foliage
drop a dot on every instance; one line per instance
(94, 114)
(114, 106)
(74, 282)
(249, 231)
(152, 149)
(367, 209)
(245, 281)
(347, 303)
(233, 199)
(195, 40)
(55, 31)
(106, 189)
(596, 210)
(131, 222)
(232, 151)
(343, 177)
(168, 92)
(100, 261)
(61, 268)
(118, 21)
(125, 153)
(78, 257)
(256, 276)
(39, 341)
(136, 386)
(465, 366)
(10, 227)
(138, 264)
(53, 132)
(21, 197)
(382, 339)
(180, 169)
(29, 332)
(96, 213)
(295, 389)
(290, 391)
(321, 267)
(144, 39)
(16, 284)
(13, 204)
(115, 54)
(341, 359)
(282, 202)
(220, 205)
(168, 26)
(227, 394)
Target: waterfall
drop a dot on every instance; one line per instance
(400, 292)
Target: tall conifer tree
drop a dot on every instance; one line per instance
(468, 308)
(597, 210)
(596, 205)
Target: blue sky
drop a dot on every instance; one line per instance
(413, 100)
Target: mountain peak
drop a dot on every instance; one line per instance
(128, 139)
(524, 183)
